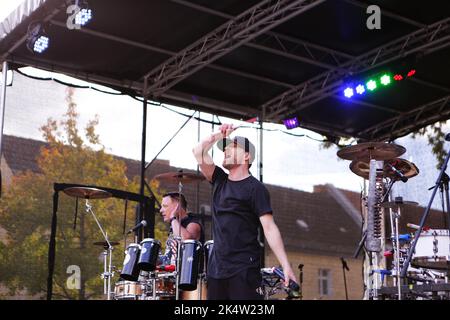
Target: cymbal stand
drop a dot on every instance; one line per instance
(394, 217)
(107, 270)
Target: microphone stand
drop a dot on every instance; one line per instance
(107, 274)
(425, 215)
(300, 267)
(345, 267)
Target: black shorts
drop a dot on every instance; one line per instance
(245, 285)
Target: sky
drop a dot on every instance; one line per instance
(294, 162)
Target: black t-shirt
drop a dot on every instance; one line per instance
(237, 206)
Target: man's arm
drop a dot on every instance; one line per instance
(273, 236)
(192, 230)
(201, 151)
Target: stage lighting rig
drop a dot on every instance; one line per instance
(37, 39)
(85, 15)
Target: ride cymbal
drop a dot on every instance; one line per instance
(371, 150)
(87, 193)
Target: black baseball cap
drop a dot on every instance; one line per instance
(243, 142)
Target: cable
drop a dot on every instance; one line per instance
(219, 122)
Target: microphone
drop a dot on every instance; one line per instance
(447, 137)
(292, 284)
(141, 224)
(398, 172)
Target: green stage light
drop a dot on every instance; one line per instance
(371, 85)
(385, 79)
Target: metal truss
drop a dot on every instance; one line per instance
(283, 45)
(427, 39)
(408, 121)
(245, 27)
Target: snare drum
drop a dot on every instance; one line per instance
(149, 254)
(130, 270)
(165, 287)
(190, 261)
(127, 290)
(432, 250)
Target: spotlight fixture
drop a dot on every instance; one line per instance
(37, 39)
(360, 89)
(85, 15)
(348, 92)
(291, 123)
(411, 73)
(385, 79)
(371, 85)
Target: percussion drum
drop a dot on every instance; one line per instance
(149, 254)
(208, 247)
(127, 290)
(432, 250)
(190, 261)
(130, 270)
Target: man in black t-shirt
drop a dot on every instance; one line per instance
(240, 204)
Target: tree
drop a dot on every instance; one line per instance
(26, 206)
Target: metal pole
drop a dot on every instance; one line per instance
(144, 141)
(2, 108)
(261, 175)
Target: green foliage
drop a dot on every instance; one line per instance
(435, 136)
(25, 213)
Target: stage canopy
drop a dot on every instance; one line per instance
(267, 59)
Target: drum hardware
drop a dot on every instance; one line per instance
(94, 193)
(370, 160)
(441, 182)
(394, 214)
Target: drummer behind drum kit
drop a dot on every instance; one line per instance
(427, 274)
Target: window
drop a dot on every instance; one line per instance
(324, 282)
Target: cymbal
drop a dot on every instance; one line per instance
(398, 202)
(176, 177)
(87, 193)
(407, 168)
(371, 150)
(105, 244)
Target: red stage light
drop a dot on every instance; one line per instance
(398, 77)
(411, 72)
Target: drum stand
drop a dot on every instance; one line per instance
(179, 239)
(394, 217)
(107, 268)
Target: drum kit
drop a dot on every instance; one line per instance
(385, 257)
(142, 277)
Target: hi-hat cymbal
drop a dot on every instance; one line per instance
(176, 177)
(105, 244)
(407, 168)
(87, 193)
(371, 150)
